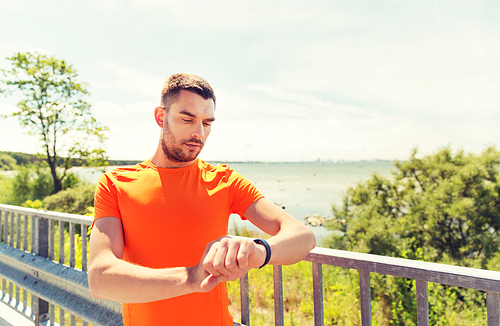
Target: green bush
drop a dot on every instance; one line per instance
(42, 185)
(71, 181)
(440, 208)
(32, 182)
(6, 193)
(36, 204)
(22, 188)
(71, 200)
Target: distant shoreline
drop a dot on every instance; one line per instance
(26, 157)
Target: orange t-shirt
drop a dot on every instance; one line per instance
(168, 218)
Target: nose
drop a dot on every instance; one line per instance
(198, 130)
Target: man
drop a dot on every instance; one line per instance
(159, 241)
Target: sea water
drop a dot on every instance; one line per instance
(307, 188)
(302, 188)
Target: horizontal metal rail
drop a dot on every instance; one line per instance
(52, 281)
(58, 284)
(31, 232)
(422, 272)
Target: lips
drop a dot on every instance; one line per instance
(193, 146)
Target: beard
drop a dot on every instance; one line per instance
(174, 150)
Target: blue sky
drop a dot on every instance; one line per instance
(295, 80)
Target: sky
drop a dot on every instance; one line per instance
(294, 80)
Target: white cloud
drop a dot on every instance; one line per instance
(113, 76)
(426, 74)
(108, 110)
(257, 15)
(133, 133)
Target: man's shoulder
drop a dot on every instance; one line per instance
(215, 167)
(130, 170)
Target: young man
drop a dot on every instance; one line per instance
(159, 242)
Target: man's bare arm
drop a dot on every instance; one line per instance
(290, 243)
(112, 278)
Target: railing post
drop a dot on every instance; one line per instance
(18, 231)
(5, 220)
(278, 295)
(244, 300)
(365, 298)
(25, 233)
(61, 242)
(72, 258)
(422, 303)
(51, 239)
(83, 233)
(12, 222)
(318, 294)
(492, 306)
(42, 306)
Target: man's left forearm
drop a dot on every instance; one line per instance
(291, 244)
(292, 240)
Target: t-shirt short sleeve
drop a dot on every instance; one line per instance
(105, 198)
(242, 194)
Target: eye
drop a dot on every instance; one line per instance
(187, 120)
(207, 124)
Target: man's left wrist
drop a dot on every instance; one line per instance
(267, 248)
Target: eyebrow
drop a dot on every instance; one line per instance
(189, 114)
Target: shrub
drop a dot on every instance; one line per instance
(71, 200)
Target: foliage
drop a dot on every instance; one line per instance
(71, 200)
(441, 208)
(448, 205)
(36, 204)
(52, 107)
(23, 158)
(6, 193)
(22, 186)
(32, 183)
(7, 162)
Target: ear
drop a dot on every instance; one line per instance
(160, 115)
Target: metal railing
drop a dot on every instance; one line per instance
(421, 272)
(28, 248)
(27, 240)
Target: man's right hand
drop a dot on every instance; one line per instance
(227, 259)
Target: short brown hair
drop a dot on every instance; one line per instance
(177, 82)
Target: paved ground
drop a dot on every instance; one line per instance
(10, 317)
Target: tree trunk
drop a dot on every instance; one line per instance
(53, 169)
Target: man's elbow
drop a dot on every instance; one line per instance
(94, 286)
(307, 242)
(310, 240)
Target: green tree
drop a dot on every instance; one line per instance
(446, 204)
(443, 207)
(53, 108)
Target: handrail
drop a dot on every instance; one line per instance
(422, 272)
(473, 278)
(27, 254)
(43, 271)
